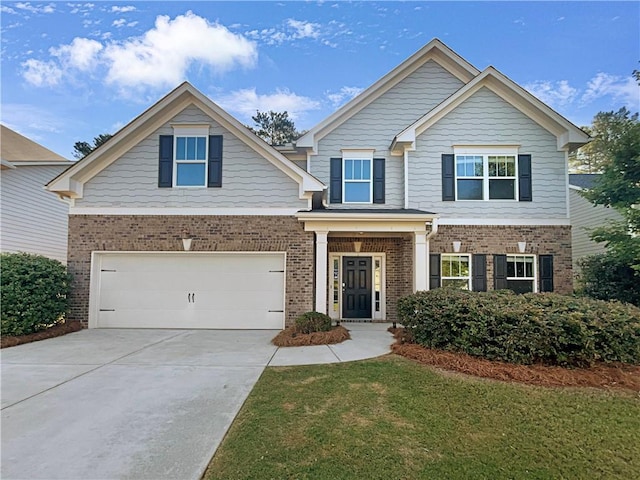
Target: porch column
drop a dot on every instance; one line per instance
(420, 256)
(321, 272)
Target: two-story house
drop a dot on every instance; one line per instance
(438, 174)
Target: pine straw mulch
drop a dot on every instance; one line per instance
(290, 338)
(51, 332)
(605, 376)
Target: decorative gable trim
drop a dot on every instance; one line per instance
(569, 136)
(435, 51)
(70, 183)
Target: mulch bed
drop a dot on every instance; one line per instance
(290, 338)
(55, 331)
(605, 376)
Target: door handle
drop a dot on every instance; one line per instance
(193, 298)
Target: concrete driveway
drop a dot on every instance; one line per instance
(139, 404)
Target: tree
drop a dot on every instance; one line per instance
(275, 128)
(82, 149)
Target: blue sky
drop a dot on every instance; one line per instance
(73, 70)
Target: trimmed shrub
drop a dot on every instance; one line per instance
(542, 328)
(313, 322)
(34, 293)
(607, 277)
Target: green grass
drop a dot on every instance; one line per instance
(390, 418)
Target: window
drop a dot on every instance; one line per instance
(485, 175)
(521, 273)
(190, 161)
(455, 271)
(357, 180)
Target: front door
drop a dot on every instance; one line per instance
(356, 287)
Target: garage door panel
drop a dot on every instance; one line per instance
(167, 290)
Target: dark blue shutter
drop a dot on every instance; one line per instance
(378, 180)
(546, 273)
(524, 178)
(165, 162)
(448, 178)
(434, 271)
(479, 279)
(499, 272)
(215, 161)
(335, 181)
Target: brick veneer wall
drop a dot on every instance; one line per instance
(210, 233)
(498, 239)
(399, 268)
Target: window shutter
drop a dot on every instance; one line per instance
(479, 280)
(378, 180)
(448, 178)
(335, 181)
(546, 273)
(215, 161)
(524, 178)
(434, 271)
(499, 272)
(165, 162)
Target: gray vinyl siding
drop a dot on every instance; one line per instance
(248, 180)
(486, 119)
(378, 123)
(33, 220)
(585, 216)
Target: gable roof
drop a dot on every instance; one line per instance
(70, 183)
(568, 135)
(583, 181)
(18, 149)
(434, 50)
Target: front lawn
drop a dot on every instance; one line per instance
(390, 418)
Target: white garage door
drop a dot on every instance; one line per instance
(189, 290)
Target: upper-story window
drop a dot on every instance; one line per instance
(486, 174)
(357, 180)
(190, 161)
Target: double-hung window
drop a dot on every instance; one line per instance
(455, 271)
(190, 156)
(357, 185)
(521, 273)
(486, 173)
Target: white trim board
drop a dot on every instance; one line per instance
(182, 211)
(543, 222)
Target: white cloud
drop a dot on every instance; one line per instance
(5, 9)
(162, 56)
(118, 23)
(81, 53)
(39, 73)
(124, 9)
(553, 94)
(28, 119)
(620, 89)
(343, 95)
(245, 103)
(50, 8)
(83, 8)
(303, 29)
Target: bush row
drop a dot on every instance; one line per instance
(34, 293)
(544, 328)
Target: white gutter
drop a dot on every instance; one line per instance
(406, 178)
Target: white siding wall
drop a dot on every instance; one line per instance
(32, 220)
(378, 123)
(486, 119)
(248, 180)
(585, 215)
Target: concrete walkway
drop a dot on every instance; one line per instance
(140, 404)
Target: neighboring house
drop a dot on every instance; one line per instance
(32, 219)
(437, 174)
(585, 216)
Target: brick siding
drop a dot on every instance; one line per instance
(88, 233)
(499, 239)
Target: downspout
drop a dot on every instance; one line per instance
(430, 235)
(406, 178)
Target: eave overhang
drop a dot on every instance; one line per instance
(380, 221)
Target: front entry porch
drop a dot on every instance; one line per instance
(366, 260)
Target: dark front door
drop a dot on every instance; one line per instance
(356, 292)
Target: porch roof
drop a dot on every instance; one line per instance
(366, 220)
